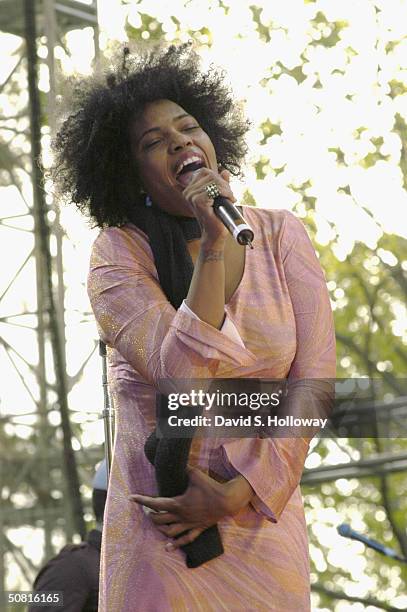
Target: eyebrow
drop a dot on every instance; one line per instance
(158, 129)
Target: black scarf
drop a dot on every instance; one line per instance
(168, 236)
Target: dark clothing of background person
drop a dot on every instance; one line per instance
(75, 572)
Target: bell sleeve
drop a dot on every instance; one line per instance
(134, 316)
(273, 466)
(228, 327)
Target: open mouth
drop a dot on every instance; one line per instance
(187, 169)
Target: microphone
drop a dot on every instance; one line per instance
(347, 532)
(233, 221)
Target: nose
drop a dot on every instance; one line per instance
(179, 140)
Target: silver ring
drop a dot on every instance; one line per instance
(212, 190)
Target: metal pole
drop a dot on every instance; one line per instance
(51, 34)
(108, 412)
(42, 235)
(50, 29)
(96, 42)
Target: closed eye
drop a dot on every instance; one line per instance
(156, 141)
(148, 145)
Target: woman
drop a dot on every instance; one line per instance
(174, 297)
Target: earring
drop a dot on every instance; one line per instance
(147, 200)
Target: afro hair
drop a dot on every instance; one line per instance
(94, 167)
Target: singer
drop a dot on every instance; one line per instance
(175, 295)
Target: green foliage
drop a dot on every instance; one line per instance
(366, 292)
(327, 33)
(400, 127)
(296, 72)
(339, 154)
(269, 129)
(150, 29)
(248, 198)
(263, 30)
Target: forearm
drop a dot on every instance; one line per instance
(206, 296)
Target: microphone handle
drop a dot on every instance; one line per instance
(233, 221)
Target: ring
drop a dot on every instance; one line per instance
(212, 190)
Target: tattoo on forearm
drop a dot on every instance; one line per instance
(212, 255)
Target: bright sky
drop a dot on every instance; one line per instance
(354, 94)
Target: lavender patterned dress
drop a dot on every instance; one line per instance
(282, 312)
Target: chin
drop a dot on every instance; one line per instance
(181, 208)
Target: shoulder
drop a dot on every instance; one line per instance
(282, 226)
(120, 245)
(128, 234)
(278, 218)
(63, 567)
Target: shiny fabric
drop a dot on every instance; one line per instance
(282, 312)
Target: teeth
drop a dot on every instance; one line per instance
(190, 160)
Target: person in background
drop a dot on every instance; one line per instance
(75, 570)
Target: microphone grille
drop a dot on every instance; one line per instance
(344, 530)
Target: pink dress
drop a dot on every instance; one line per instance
(282, 312)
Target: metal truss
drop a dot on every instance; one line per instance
(27, 343)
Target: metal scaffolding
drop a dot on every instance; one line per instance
(45, 381)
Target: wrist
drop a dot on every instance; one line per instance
(238, 494)
(213, 242)
(211, 252)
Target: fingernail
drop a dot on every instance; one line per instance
(169, 547)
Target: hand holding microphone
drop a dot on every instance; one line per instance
(230, 216)
(203, 186)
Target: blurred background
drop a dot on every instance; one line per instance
(325, 86)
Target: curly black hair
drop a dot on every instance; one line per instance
(93, 165)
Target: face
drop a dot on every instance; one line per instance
(163, 139)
